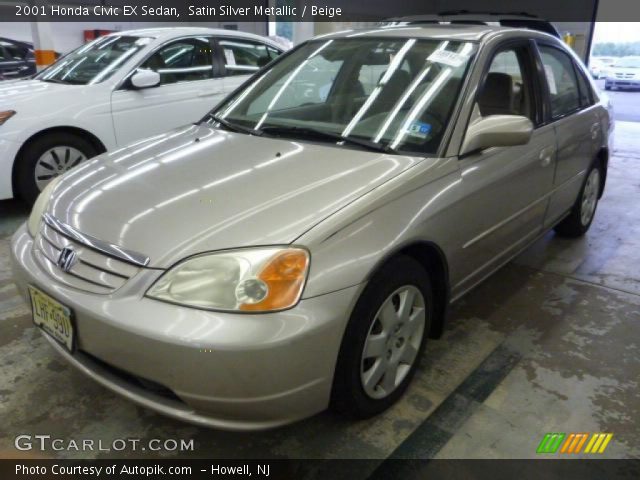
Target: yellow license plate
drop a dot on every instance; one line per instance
(53, 317)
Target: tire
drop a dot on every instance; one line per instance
(581, 217)
(398, 343)
(607, 87)
(31, 170)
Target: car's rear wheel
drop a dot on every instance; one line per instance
(46, 158)
(384, 339)
(581, 217)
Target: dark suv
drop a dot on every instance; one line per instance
(16, 59)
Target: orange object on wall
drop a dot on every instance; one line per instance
(93, 34)
(44, 57)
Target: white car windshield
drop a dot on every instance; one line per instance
(94, 62)
(391, 94)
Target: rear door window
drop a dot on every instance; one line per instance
(243, 57)
(273, 53)
(561, 81)
(586, 93)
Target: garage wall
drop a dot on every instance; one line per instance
(16, 30)
(581, 32)
(68, 35)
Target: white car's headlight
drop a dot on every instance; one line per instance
(33, 225)
(245, 280)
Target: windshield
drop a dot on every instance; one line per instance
(394, 93)
(628, 63)
(94, 62)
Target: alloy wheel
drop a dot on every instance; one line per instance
(590, 197)
(393, 342)
(55, 162)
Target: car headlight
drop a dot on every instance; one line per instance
(6, 115)
(40, 206)
(245, 280)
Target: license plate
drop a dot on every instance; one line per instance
(52, 316)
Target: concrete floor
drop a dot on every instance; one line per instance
(548, 344)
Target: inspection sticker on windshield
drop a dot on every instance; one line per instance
(419, 130)
(551, 79)
(452, 59)
(229, 56)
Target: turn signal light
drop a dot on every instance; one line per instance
(284, 276)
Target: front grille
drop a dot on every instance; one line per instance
(625, 75)
(93, 271)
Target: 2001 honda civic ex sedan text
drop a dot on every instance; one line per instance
(296, 248)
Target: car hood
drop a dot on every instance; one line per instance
(16, 92)
(614, 70)
(199, 189)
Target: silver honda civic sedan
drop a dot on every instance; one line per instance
(296, 249)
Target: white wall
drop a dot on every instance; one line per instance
(69, 35)
(16, 30)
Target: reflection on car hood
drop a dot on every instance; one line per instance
(14, 92)
(635, 70)
(199, 189)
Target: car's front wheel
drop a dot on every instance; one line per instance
(384, 339)
(46, 158)
(579, 220)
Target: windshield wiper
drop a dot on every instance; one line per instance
(234, 127)
(321, 134)
(53, 80)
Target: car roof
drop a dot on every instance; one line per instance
(16, 42)
(461, 32)
(479, 16)
(513, 20)
(175, 32)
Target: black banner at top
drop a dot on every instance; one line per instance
(307, 10)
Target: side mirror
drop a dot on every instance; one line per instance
(497, 131)
(145, 79)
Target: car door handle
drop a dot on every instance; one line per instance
(546, 155)
(595, 128)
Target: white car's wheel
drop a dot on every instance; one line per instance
(46, 158)
(55, 162)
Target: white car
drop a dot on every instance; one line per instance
(598, 66)
(113, 91)
(623, 74)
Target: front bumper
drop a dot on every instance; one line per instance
(229, 371)
(8, 152)
(622, 83)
